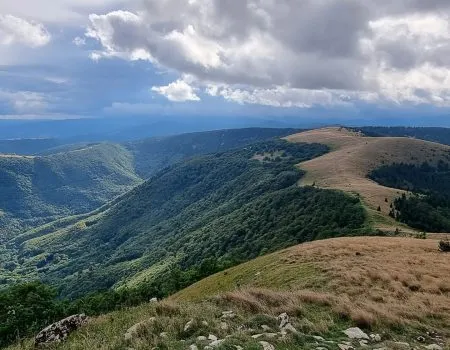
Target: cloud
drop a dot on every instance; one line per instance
(25, 102)
(79, 41)
(285, 52)
(178, 91)
(15, 30)
(61, 12)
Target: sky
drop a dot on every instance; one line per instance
(115, 58)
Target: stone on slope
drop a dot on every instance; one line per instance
(356, 333)
(433, 347)
(283, 319)
(133, 331)
(60, 330)
(188, 325)
(212, 337)
(266, 345)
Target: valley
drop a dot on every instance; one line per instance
(210, 222)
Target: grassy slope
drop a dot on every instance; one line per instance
(324, 286)
(354, 156)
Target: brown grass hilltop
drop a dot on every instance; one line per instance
(373, 280)
(353, 156)
(396, 287)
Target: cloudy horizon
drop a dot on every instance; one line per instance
(215, 57)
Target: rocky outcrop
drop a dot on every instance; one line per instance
(59, 331)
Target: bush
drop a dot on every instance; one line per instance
(444, 246)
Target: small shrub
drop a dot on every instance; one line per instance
(444, 246)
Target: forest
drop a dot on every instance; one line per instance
(427, 206)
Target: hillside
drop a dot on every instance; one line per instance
(434, 134)
(154, 154)
(34, 190)
(354, 156)
(396, 289)
(227, 207)
(27, 147)
(77, 178)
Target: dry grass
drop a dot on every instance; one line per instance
(372, 281)
(398, 287)
(352, 158)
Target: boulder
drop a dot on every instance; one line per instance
(60, 330)
(133, 331)
(212, 337)
(283, 319)
(433, 347)
(216, 343)
(356, 333)
(266, 345)
(189, 325)
(375, 337)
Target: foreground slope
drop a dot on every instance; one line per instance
(354, 156)
(396, 287)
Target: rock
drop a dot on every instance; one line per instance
(193, 347)
(212, 337)
(420, 339)
(283, 319)
(375, 337)
(59, 331)
(216, 343)
(320, 348)
(290, 328)
(154, 300)
(202, 338)
(266, 345)
(266, 328)
(433, 347)
(189, 325)
(238, 347)
(402, 344)
(224, 326)
(228, 314)
(163, 334)
(363, 343)
(345, 347)
(356, 333)
(204, 323)
(318, 338)
(133, 331)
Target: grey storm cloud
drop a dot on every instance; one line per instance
(337, 45)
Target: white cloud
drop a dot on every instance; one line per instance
(61, 12)
(290, 53)
(25, 102)
(78, 41)
(178, 91)
(15, 30)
